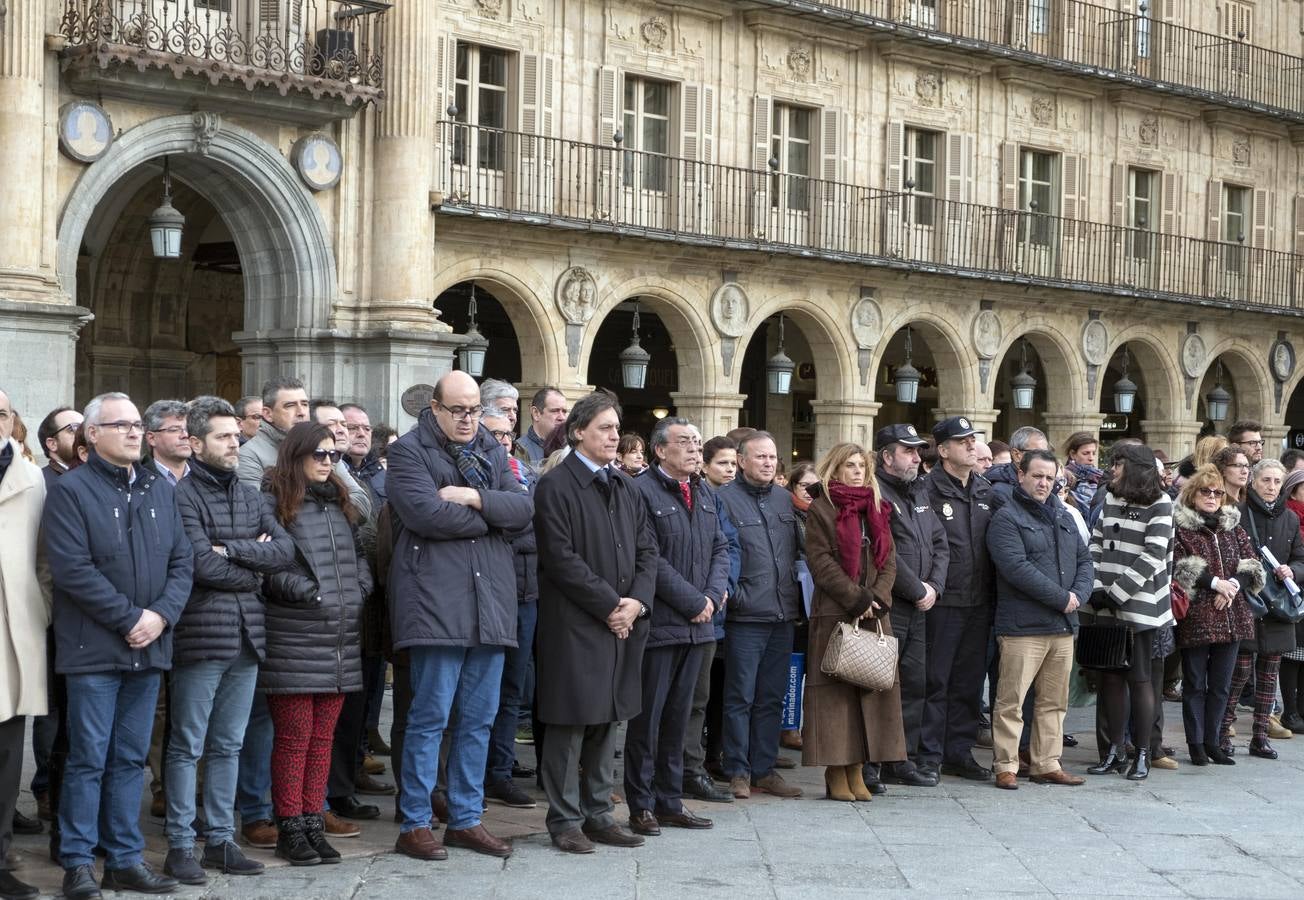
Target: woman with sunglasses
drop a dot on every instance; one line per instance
(1214, 564)
(314, 617)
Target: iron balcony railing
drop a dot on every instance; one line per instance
(507, 175)
(1135, 48)
(254, 41)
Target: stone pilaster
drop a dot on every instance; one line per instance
(1060, 426)
(1174, 437)
(1273, 438)
(713, 414)
(844, 420)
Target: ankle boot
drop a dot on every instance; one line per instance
(314, 829)
(835, 784)
(1198, 756)
(856, 781)
(1109, 762)
(1140, 767)
(1218, 755)
(292, 844)
(1260, 747)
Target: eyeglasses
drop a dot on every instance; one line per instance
(1258, 443)
(322, 455)
(463, 412)
(1212, 492)
(807, 485)
(124, 427)
(358, 429)
(71, 428)
(499, 435)
(176, 430)
(1237, 466)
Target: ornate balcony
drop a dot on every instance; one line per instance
(325, 57)
(504, 175)
(1084, 39)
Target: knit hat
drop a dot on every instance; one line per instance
(1293, 480)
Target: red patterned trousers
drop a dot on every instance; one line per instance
(304, 727)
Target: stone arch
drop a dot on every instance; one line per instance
(525, 299)
(1154, 366)
(834, 357)
(1249, 374)
(283, 241)
(1066, 376)
(957, 364)
(684, 318)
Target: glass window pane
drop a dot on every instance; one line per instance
(800, 124)
(1042, 197)
(926, 145)
(493, 67)
(656, 136)
(631, 85)
(631, 134)
(460, 101)
(493, 108)
(656, 98)
(776, 120)
(1236, 200)
(798, 158)
(463, 54)
(1041, 167)
(924, 177)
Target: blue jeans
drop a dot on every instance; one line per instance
(210, 708)
(755, 678)
(253, 794)
(514, 700)
(469, 677)
(110, 717)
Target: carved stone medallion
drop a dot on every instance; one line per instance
(987, 333)
(1095, 342)
(1043, 110)
(927, 87)
(1148, 133)
(655, 32)
(1193, 355)
(417, 398)
(867, 323)
(729, 309)
(1241, 151)
(799, 62)
(1282, 361)
(85, 131)
(576, 295)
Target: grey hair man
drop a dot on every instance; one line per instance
(167, 439)
(249, 413)
(502, 397)
(1005, 478)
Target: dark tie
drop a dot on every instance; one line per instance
(601, 480)
(686, 490)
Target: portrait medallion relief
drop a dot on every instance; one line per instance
(1193, 356)
(729, 310)
(576, 295)
(987, 333)
(866, 323)
(1095, 342)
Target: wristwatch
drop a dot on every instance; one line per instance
(642, 610)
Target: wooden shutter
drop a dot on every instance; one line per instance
(708, 123)
(831, 144)
(608, 98)
(762, 106)
(895, 152)
(959, 167)
(690, 121)
(1213, 221)
(546, 110)
(1263, 222)
(1073, 177)
(1298, 245)
(1010, 175)
(529, 96)
(1118, 195)
(1172, 203)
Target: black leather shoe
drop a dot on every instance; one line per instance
(907, 774)
(24, 825)
(13, 889)
(140, 878)
(929, 770)
(703, 788)
(1217, 756)
(1140, 768)
(79, 884)
(1262, 749)
(873, 775)
(683, 819)
(1070, 741)
(1109, 762)
(1198, 756)
(353, 808)
(520, 771)
(970, 769)
(644, 823)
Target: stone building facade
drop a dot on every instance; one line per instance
(1076, 190)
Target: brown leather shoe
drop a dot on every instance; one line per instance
(740, 786)
(261, 834)
(573, 841)
(1007, 781)
(439, 806)
(365, 784)
(613, 835)
(643, 822)
(791, 739)
(340, 828)
(1059, 776)
(420, 843)
(1025, 764)
(784, 762)
(774, 784)
(479, 840)
(372, 766)
(683, 819)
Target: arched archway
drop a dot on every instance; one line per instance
(948, 372)
(287, 265)
(1243, 376)
(1149, 366)
(1057, 369)
(538, 348)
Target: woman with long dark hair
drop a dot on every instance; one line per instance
(1132, 548)
(314, 620)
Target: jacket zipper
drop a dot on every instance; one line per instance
(339, 636)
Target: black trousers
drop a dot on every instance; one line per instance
(910, 626)
(955, 662)
(12, 737)
(654, 740)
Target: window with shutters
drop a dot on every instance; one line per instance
(792, 130)
(480, 97)
(1235, 217)
(646, 120)
(1039, 16)
(919, 162)
(1039, 191)
(1143, 30)
(1236, 21)
(1142, 201)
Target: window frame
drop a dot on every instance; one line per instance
(643, 168)
(1035, 226)
(469, 92)
(922, 210)
(791, 190)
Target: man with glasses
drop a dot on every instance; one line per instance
(1248, 437)
(326, 412)
(547, 412)
(249, 415)
(122, 575)
(452, 598)
(692, 581)
(362, 461)
(167, 439)
(56, 433)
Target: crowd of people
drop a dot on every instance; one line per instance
(217, 592)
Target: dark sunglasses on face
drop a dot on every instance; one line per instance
(322, 455)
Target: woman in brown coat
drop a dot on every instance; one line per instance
(849, 551)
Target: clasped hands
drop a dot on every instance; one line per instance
(621, 620)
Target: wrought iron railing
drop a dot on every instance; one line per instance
(1135, 47)
(551, 181)
(255, 41)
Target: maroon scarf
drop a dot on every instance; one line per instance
(853, 504)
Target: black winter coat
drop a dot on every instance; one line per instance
(225, 608)
(594, 548)
(922, 549)
(1277, 528)
(693, 563)
(314, 608)
(965, 513)
(452, 580)
(116, 549)
(768, 590)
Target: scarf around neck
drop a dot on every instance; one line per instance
(474, 467)
(854, 505)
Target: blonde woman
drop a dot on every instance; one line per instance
(849, 551)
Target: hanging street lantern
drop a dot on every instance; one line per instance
(165, 223)
(907, 377)
(1023, 386)
(634, 360)
(1125, 390)
(779, 368)
(1217, 401)
(470, 356)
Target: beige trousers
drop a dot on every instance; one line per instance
(1044, 662)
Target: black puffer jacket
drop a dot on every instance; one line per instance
(1277, 528)
(314, 609)
(225, 608)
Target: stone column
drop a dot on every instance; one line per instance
(713, 414)
(1174, 437)
(1273, 437)
(983, 419)
(402, 236)
(844, 420)
(1060, 425)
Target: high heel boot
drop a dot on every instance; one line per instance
(856, 781)
(1140, 767)
(835, 784)
(1113, 757)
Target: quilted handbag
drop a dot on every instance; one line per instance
(1105, 647)
(867, 659)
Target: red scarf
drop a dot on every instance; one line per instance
(853, 504)
(800, 504)
(1298, 508)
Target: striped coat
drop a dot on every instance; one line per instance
(1132, 547)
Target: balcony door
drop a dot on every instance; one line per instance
(646, 166)
(1038, 225)
(1141, 250)
(792, 130)
(480, 152)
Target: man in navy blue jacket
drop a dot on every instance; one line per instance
(122, 566)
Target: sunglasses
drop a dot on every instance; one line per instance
(322, 455)
(1212, 492)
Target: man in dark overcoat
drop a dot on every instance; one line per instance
(597, 577)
